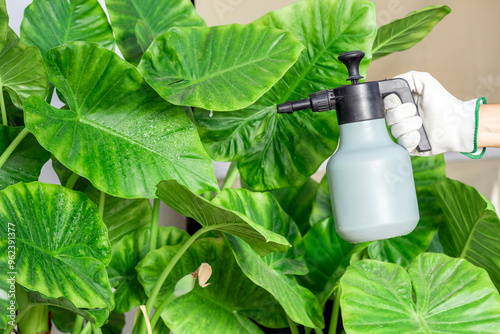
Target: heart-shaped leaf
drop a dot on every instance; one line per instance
(125, 15)
(215, 217)
(438, 294)
(298, 202)
(327, 256)
(279, 151)
(244, 62)
(25, 162)
(29, 77)
(50, 23)
(472, 227)
(62, 246)
(121, 216)
(299, 303)
(116, 127)
(263, 209)
(402, 34)
(401, 250)
(126, 255)
(222, 307)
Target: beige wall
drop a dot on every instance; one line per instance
(462, 51)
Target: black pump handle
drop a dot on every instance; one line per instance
(401, 88)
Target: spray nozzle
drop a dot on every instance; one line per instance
(319, 101)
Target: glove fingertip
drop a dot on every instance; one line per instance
(392, 101)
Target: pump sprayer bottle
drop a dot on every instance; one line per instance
(370, 177)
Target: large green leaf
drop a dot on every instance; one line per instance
(62, 246)
(118, 133)
(121, 216)
(438, 294)
(298, 202)
(402, 34)
(299, 303)
(130, 17)
(472, 227)
(223, 68)
(27, 160)
(213, 216)
(127, 253)
(401, 250)
(22, 72)
(222, 307)
(50, 23)
(279, 151)
(327, 256)
(263, 209)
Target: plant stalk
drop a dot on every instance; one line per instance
(2, 105)
(87, 329)
(293, 325)
(171, 264)
(77, 325)
(70, 183)
(8, 151)
(19, 316)
(160, 309)
(335, 312)
(153, 237)
(102, 201)
(231, 176)
(36, 320)
(96, 330)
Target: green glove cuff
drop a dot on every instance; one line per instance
(474, 154)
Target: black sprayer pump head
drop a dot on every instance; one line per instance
(359, 101)
(351, 60)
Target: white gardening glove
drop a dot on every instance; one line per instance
(450, 124)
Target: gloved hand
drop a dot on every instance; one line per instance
(451, 125)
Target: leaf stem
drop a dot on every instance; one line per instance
(171, 264)
(307, 330)
(4, 112)
(102, 201)
(87, 329)
(335, 312)
(70, 183)
(153, 236)
(293, 325)
(77, 325)
(318, 331)
(160, 309)
(8, 151)
(19, 316)
(231, 176)
(96, 330)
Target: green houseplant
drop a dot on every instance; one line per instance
(149, 125)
